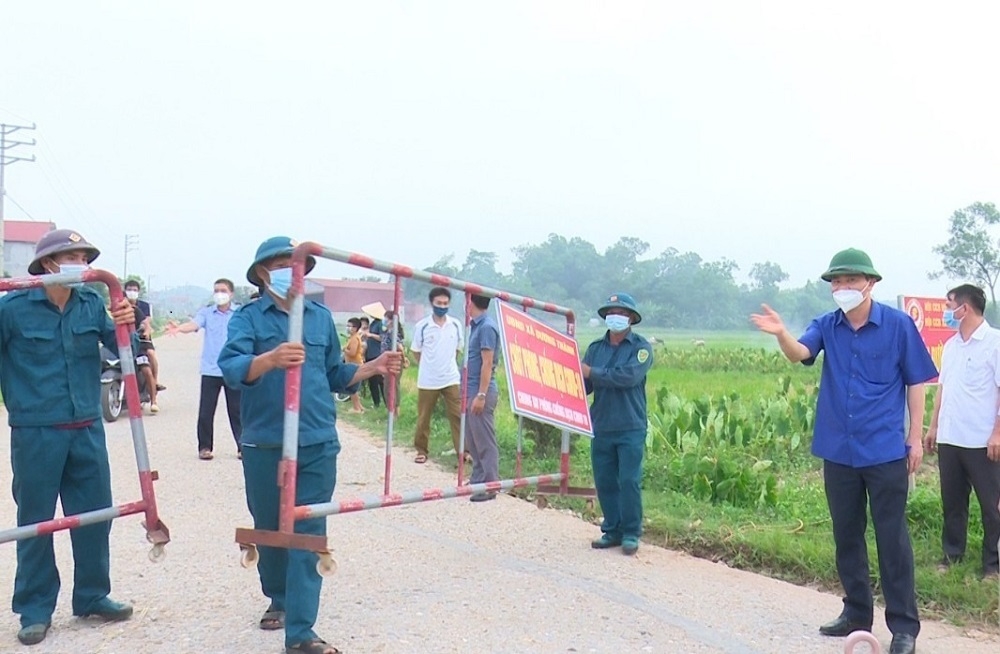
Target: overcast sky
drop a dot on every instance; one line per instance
(409, 130)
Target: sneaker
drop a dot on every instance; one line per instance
(205, 455)
(482, 497)
(605, 541)
(33, 633)
(630, 545)
(153, 408)
(110, 610)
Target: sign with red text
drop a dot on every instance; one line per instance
(928, 314)
(544, 375)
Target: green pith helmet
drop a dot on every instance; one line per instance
(60, 240)
(850, 262)
(621, 301)
(276, 246)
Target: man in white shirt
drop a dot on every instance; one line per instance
(437, 340)
(966, 428)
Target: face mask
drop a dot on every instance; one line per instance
(848, 298)
(221, 299)
(440, 312)
(616, 323)
(73, 268)
(132, 295)
(281, 281)
(950, 320)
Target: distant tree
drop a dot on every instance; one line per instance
(481, 267)
(766, 276)
(971, 253)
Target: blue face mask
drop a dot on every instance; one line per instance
(281, 281)
(440, 312)
(66, 268)
(949, 319)
(616, 323)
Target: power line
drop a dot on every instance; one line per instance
(7, 145)
(23, 210)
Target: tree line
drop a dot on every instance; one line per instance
(682, 290)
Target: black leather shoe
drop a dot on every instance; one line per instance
(843, 626)
(903, 644)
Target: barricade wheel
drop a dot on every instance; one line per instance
(157, 554)
(327, 565)
(248, 556)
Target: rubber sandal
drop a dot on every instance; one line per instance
(420, 458)
(272, 620)
(33, 633)
(314, 646)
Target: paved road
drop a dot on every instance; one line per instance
(445, 576)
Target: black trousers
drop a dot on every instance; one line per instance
(376, 386)
(849, 492)
(964, 469)
(210, 387)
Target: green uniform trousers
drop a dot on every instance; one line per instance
(288, 576)
(69, 464)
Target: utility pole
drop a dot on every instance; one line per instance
(131, 244)
(5, 160)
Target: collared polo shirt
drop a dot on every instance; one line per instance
(618, 381)
(260, 327)
(970, 376)
(50, 362)
(862, 392)
(483, 335)
(215, 322)
(438, 346)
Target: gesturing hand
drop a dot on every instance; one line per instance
(768, 322)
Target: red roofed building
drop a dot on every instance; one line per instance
(19, 240)
(345, 297)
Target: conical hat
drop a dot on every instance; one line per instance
(376, 310)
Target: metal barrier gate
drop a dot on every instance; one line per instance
(156, 532)
(289, 513)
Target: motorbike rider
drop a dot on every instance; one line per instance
(145, 353)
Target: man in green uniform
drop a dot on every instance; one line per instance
(50, 377)
(254, 360)
(614, 370)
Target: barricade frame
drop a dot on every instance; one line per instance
(156, 531)
(289, 513)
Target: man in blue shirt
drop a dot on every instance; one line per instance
(254, 359)
(215, 321)
(614, 370)
(874, 369)
(481, 387)
(50, 377)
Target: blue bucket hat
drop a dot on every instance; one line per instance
(276, 246)
(621, 301)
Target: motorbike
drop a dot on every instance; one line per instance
(113, 385)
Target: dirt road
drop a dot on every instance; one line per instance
(446, 576)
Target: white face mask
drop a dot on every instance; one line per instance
(848, 298)
(221, 299)
(132, 295)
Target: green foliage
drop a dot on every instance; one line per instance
(727, 449)
(972, 252)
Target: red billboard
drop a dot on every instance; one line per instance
(928, 314)
(543, 372)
